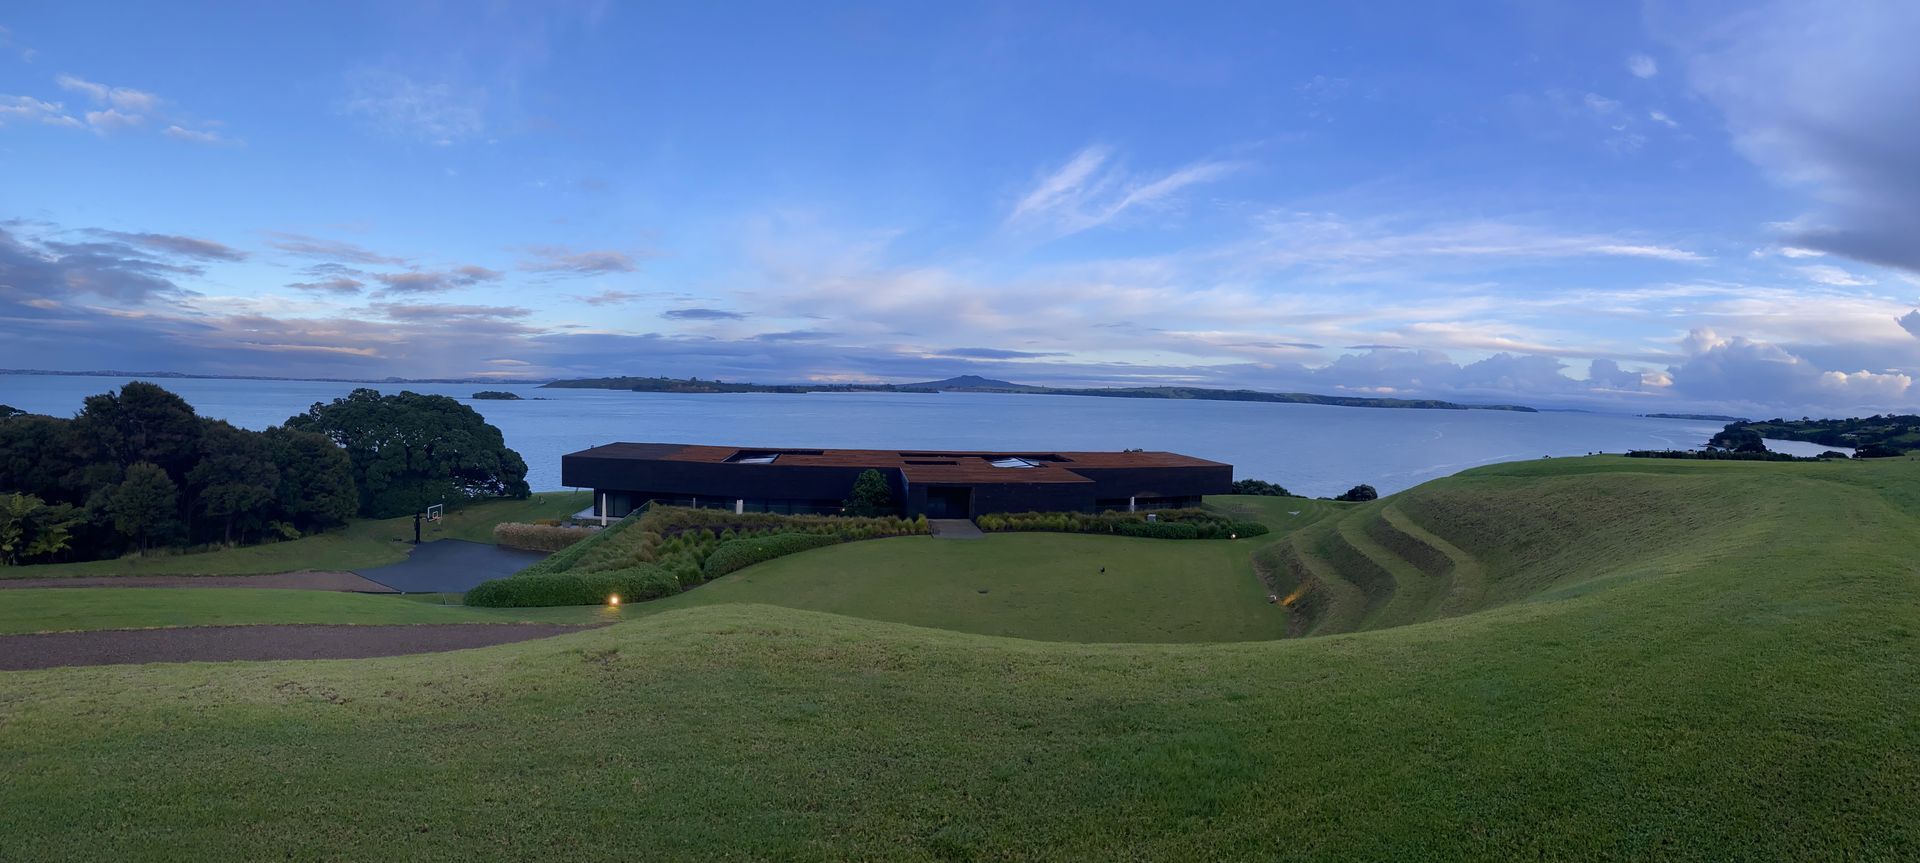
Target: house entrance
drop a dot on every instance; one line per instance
(949, 502)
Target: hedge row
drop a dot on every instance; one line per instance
(739, 554)
(538, 537)
(1169, 524)
(637, 584)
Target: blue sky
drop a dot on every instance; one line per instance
(1642, 207)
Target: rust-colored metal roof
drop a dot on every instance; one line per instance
(919, 466)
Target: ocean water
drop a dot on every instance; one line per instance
(1314, 450)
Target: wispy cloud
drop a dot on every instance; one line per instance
(610, 298)
(435, 281)
(116, 109)
(1830, 275)
(122, 98)
(30, 110)
(341, 286)
(562, 260)
(331, 250)
(1091, 190)
(1642, 66)
(438, 113)
(191, 247)
(701, 314)
(12, 45)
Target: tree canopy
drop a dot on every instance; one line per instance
(410, 450)
(93, 485)
(1361, 492)
(1260, 487)
(872, 496)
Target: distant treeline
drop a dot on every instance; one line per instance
(1871, 437)
(1701, 417)
(1728, 455)
(696, 385)
(975, 384)
(139, 468)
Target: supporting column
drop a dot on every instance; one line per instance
(739, 505)
(1131, 506)
(603, 509)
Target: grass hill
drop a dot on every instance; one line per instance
(1597, 658)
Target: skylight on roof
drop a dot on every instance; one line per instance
(1013, 461)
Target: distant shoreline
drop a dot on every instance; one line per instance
(977, 384)
(97, 373)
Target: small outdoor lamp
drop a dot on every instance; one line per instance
(613, 600)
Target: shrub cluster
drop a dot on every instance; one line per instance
(742, 553)
(637, 584)
(538, 537)
(1720, 455)
(1260, 487)
(1168, 524)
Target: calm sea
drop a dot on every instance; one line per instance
(1310, 449)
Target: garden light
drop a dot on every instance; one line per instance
(613, 600)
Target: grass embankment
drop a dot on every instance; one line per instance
(1739, 685)
(1047, 586)
(61, 609)
(361, 544)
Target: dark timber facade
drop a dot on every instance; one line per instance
(624, 476)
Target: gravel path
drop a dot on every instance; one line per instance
(279, 641)
(310, 580)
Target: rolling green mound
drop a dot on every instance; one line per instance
(1594, 659)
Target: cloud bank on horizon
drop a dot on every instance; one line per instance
(1667, 207)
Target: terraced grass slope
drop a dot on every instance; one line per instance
(1535, 531)
(1683, 661)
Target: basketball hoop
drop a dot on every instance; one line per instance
(435, 511)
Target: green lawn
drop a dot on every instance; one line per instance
(61, 609)
(1673, 661)
(1039, 585)
(361, 544)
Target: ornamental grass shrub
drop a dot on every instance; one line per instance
(538, 536)
(1168, 524)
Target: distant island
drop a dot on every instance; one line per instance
(1716, 418)
(696, 385)
(497, 395)
(1869, 437)
(978, 384)
(147, 376)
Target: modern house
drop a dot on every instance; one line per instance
(624, 476)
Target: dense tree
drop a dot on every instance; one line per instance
(1259, 487)
(410, 450)
(235, 479)
(39, 456)
(1738, 438)
(9, 411)
(227, 483)
(1362, 492)
(316, 479)
(141, 423)
(32, 528)
(872, 496)
(143, 505)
